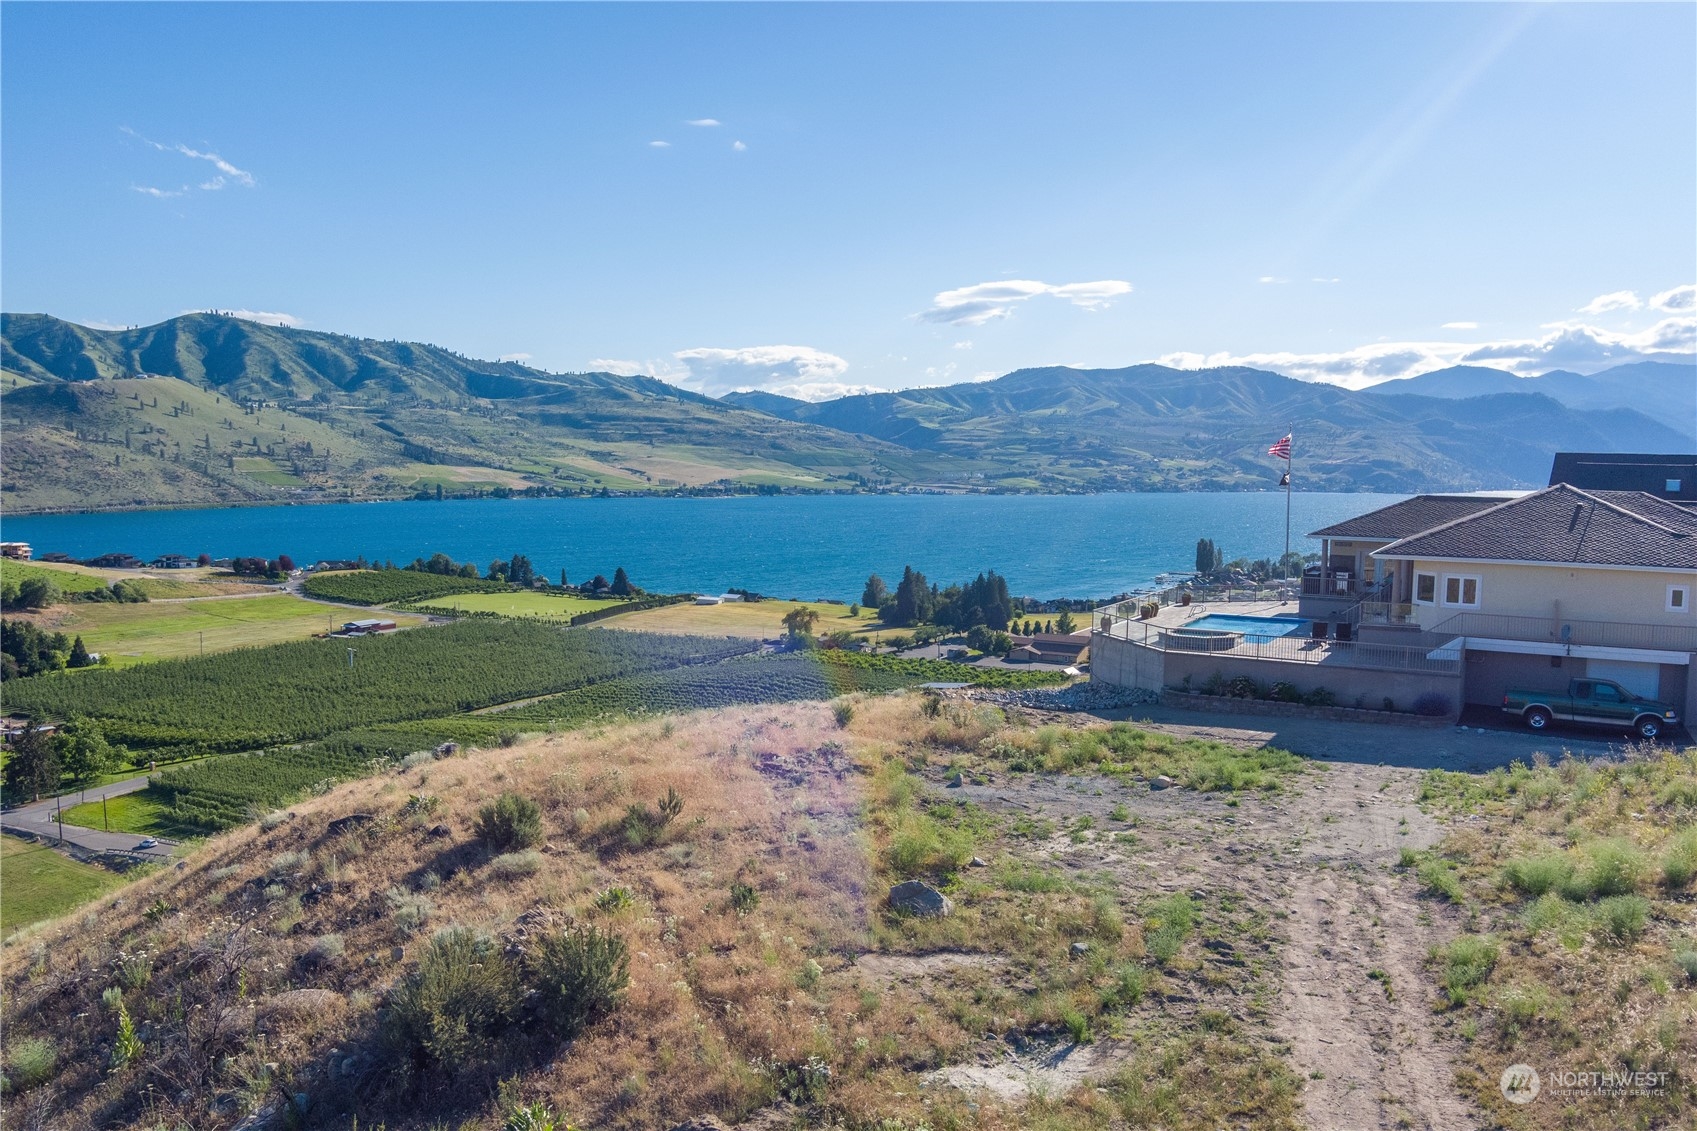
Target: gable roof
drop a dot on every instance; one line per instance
(1563, 524)
(1411, 516)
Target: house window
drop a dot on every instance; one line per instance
(1673, 486)
(1679, 598)
(1462, 592)
(1425, 589)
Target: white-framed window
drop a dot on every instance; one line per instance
(1461, 591)
(1425, 589)
(1679, 598)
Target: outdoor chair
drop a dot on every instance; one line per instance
(1345, 631)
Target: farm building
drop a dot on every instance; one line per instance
(367, 627)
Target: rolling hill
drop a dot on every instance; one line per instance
(207, 408)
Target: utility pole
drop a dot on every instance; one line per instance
(105, 821)
(203, 645)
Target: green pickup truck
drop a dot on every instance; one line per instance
(1591, 701)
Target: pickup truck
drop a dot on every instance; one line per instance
(1596, 701)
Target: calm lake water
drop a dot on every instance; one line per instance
(788, 546)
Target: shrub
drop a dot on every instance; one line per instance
(1433, 704)
(1285, 692)
(844, 712)
(809, 974)
(802, 1082)
(1621, 918)
(744, 899)
(1127, 989)
(1533, 876)
(530, 1117)
(1466, 963)
(462, 995)
(580, 973)
(1077, 1026)
(1175, 916)
(508, 822)
(516, 865)
(614, 899)
(1439, 877)
(1614, 866)
(1686, 960)
(324, 950)
(1679, 858)
(31, 1062)
(1320, 697)
(409, 911)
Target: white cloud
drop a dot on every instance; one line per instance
(739, 147)
(659, 145)
(264, 317)
(227, 173)
(1271, 279)
(704, 122)
(796, 371)
(159, 193)
(1574, 346)
(963, 345)
(1459, 326)
(1679, 298)
(96, 324)
(982, 302)
(1614, 300)
(1320, 279)
(514, 357)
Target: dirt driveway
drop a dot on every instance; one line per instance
(1341, 992)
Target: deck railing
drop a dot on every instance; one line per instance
(1601, 633)
(1282, 649)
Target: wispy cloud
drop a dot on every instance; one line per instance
(1614, 300)
(97, 324)
(1323, 279)
(227, 174)
(264, 317)
(659, 145)
(983, 302)
(704, 122)
(159, 193)
(1677, 299)
(514, 357)
(794, 371)
(739, 147)
(963, 345)
(1459, 326)
(1272, 279)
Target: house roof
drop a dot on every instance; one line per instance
(1567, 525)
(1411, 516)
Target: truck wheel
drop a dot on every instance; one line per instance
(1648, 727)
(1538, 718)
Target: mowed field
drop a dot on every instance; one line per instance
(518, 604)
(761, 619)
(160, 631)
(38, 883)
(158, 584)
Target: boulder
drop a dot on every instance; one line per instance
(921, 899)
(978, 862)
(1162, 782)
(1080, 949)
(353, 820)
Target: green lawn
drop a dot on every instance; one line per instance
(131, 634)
(69, 579)
(519, 604)
(143, 813)
(764, 619)
(38, 883)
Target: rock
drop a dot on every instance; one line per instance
(1080, 949)
(437, 832)
(702, 1123)
(921, 899)
(398, 953)
(447, 750)
(955, 781)
(352, 821)
(1076, 697)
(1162, 782)
(978, 862)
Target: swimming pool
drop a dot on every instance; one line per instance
(1256, 630)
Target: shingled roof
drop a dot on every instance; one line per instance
(1566, 525)
(1411, 516)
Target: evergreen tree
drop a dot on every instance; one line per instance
(79, 656)
(874, 593)
(1064, 623)
(621, 583)
(497, 570)
(521, 572)
(915, 601)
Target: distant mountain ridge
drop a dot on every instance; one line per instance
(208, 408)
(1663, 390)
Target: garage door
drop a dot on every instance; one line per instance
(1640, 679)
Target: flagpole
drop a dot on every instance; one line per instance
(1290, 466)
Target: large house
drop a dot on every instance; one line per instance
(1461, 596)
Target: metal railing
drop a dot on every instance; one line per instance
(1386, 612)
(1281, 649)
(1600, 633)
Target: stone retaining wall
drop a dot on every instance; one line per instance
(1229, 706)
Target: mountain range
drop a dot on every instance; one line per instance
(206, 408)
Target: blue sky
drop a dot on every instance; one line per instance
(886, 196)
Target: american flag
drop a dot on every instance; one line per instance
(1281, 449)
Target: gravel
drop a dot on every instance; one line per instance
(1077, 697)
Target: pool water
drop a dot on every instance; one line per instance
(1256, 630)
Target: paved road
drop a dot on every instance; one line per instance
(37, 820)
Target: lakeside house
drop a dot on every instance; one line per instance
(1459, 596)
(1667, 477)
(17, 551)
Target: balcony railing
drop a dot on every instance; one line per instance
(1284, 649)
(1386, 612)
(1600, 633)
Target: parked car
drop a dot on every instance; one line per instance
(1598, 702)
(146, 843)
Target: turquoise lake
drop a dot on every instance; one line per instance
(809, 547)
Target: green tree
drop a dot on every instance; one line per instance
(497, 570)
(874, 593)
(915, 602)
(33, 768)
(79, 656)
(37, 593)
(799, 622)
(83, 751)
(621, 583)
(1064, 623)
(1209, 557)
(521, 572)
